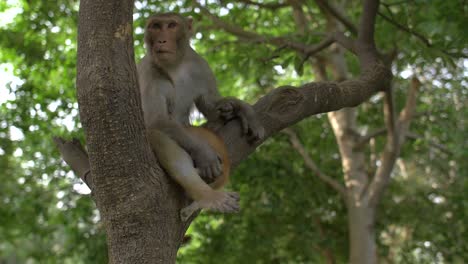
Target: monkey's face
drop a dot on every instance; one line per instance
(167, 38)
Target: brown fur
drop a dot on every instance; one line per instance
(218, 145)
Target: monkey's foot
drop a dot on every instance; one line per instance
(224, 202)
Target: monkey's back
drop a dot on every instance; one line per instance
(218, 145)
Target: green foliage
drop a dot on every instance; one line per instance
(288, 215)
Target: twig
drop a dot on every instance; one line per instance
(419, 36)
(272, 6)
(311, 164)
(430, 142)
(338, 14)
(307, 50)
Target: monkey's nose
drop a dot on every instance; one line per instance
(161, 41)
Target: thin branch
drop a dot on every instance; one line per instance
(317, 48)
(389, 113)
(366, 138)
(74, 154)
(419, 36)
(430, 142)
(308, 50)
(338, 14)
(271, 6)
(295, 142)
(410, 135)
(395, 139)
(406, 29)
(299, 17)
(408, 111)
(346, 42)
(397, 3)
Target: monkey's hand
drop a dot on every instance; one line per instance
(207, 162)
(252, 128)
(229, 108)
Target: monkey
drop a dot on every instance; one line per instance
(172, 77)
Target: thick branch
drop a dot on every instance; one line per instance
(367, 22)
(367, 51)
(295, 142)
(287, 105)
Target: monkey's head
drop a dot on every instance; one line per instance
(167, 38)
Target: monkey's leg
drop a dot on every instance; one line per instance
(179, 165)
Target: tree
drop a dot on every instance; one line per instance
(300, 60)
(131, 206)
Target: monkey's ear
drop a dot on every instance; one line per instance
(190, 24)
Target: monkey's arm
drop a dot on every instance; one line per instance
(230, 107)
(205, 158)
(214, 106)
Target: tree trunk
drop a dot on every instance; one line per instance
(361, 233)
(361, 216)
(138, 204)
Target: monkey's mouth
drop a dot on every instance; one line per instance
(161, 51)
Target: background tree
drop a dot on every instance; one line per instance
(283, 208)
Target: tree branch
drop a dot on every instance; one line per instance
(307, 50)
(338, 14)
(419, 36)
(430, 142)
(367, 52)
(271, 6)
(367, 22)
(286, 105)
(409, 109)
(296, 144)
(298, 14)
(406, 29)
(74, 154)
(395, 139)
(364, 139)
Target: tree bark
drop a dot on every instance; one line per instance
(138, 204)
(361, 219)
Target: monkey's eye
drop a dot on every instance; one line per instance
(172, 25)
(156, 26)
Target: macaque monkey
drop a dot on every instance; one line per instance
(173, 77)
